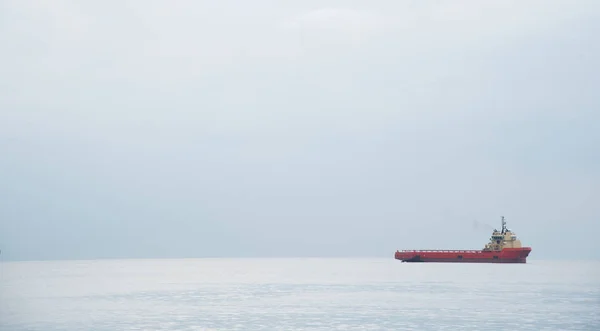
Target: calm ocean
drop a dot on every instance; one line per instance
(298, 294)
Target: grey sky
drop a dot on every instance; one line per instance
(305, 128)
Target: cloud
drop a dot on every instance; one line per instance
(338, 19)
(334, 27)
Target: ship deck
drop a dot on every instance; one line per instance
(440, 251)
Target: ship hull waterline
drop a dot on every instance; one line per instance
(506, 255)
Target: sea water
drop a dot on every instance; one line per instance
(298, 294)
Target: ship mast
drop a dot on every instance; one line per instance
(503, 225)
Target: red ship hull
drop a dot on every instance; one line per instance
(506, 255)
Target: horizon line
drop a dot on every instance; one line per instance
(249, 258)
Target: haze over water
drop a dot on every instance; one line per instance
(153, 129)
(298, 294)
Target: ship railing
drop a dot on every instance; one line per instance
(439, 251)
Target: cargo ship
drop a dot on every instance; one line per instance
(504, 247)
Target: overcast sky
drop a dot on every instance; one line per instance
(134, 129)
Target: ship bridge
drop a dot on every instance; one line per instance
(504, 238)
